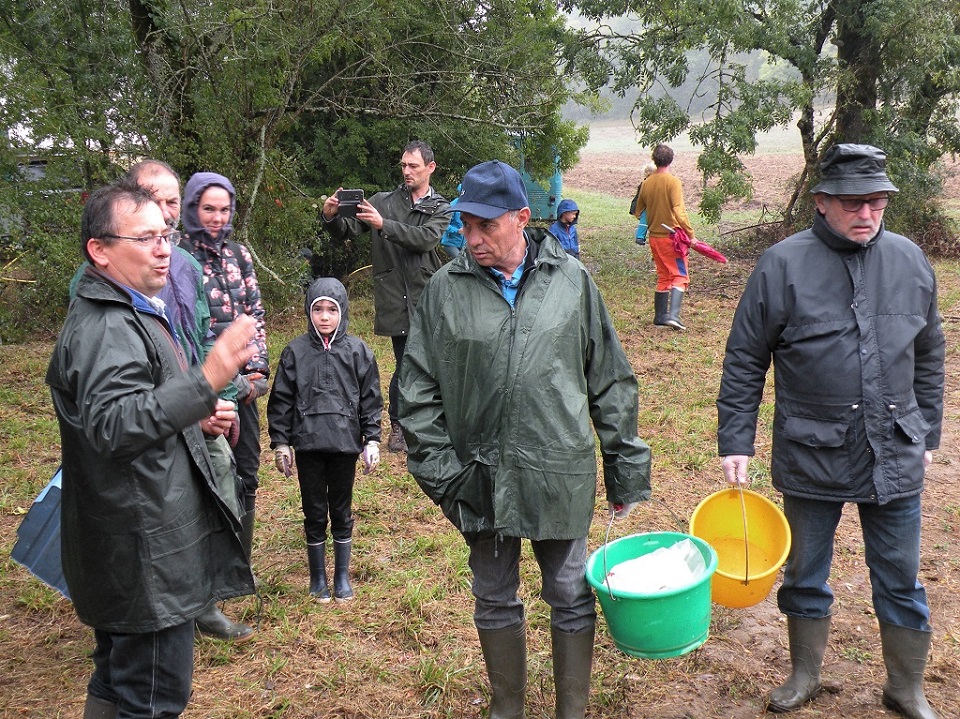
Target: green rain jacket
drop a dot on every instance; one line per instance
(496, 402)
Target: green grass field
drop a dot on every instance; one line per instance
(406, 646)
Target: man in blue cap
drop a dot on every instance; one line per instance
(511, 355)
(847, 312)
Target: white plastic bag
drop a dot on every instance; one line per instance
(675, 567)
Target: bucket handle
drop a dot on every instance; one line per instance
(746, 538)
(606, 541)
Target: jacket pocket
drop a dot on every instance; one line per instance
(819, 456)
(178, 559)
(467, 500)
(557, 461)
(814, 432)
(552, 494)
(913, 426)
(909, 444)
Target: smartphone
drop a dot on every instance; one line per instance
(349, 199)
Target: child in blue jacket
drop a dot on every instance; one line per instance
(565, 228)
(326, 405)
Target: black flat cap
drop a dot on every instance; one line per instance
(848, 169)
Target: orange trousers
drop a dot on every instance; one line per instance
(671, 266)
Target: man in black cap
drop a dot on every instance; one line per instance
(848, 314)
(511, 355)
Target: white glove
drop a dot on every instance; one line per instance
(370, 456)
(622, 511)
(735, 469)
(283, 458)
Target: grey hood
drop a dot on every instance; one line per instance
(327, 288)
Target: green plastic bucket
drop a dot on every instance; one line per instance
(659, 625)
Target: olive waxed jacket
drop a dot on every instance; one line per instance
(497, 403)
(148, 543)
(404, 253)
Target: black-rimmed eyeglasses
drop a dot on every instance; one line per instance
(172, 237)
(853, 204)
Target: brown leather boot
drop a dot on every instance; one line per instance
(397, 442)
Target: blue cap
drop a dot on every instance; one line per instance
(490, 189)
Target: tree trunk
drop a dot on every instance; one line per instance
(858, 58)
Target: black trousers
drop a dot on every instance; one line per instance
(393, 411)
(247, 451)
(326, 487)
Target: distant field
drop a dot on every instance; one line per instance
(612, 159)
(619, 137)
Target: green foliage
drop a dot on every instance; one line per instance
(878, 71)
(289, 99)
(41, 248)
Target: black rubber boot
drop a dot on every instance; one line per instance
(246, 523)
(97, 708)
(905, 654)
(214, 623)
(317, 560)
(808, 642)
(661, 308)
(572, 663)
(676, 302)
(505, 654)
(341, 570)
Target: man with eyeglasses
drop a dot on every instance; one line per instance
(405, 228)
(149, 542)
(847, 312)
(185, 304)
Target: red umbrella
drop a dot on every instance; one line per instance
(682, 241)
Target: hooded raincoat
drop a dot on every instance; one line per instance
(326, 394)
(854, 334)
(496, 402)
(567, 234)
(229, 278)
(148, 542)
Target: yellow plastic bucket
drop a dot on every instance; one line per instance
(752, 540)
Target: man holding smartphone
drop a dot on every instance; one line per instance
(405, 228)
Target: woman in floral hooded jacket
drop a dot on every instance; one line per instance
(230, 282)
